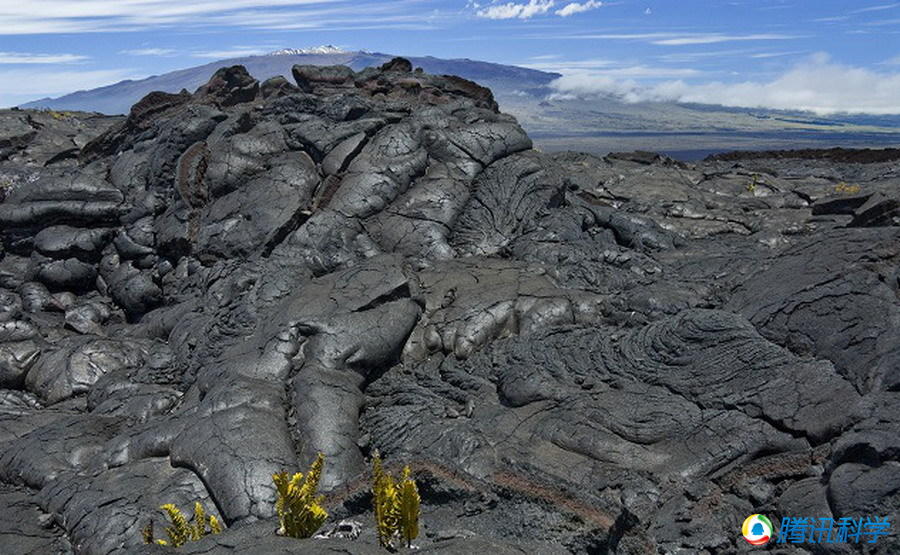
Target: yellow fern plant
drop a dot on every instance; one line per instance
(181, 531)
(300, 512)
(396, 505)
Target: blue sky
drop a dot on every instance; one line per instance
(824, 55)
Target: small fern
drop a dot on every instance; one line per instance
(396, 505)
(59, 116)
(409, 507)
(384, 493)
(751, 187)
(300, 512)
(181, 531)
(147, 532)
(214, 525)
(847, 189)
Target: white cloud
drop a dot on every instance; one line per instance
(150, 52)
(575, 7)
(623, 36)
(527, 10)
(576, 72)
(25, 58)
(23, 85)
(581, 84)
(717, 38)
(82, 16)
(236, 52)
(578, 78)
(680, 39)
(651, 72)
(764, 55)
(893, 61)
(362, 17)
(817, 85)
(511, 10)
(561, 65)
(877, 8)
(682, 57)
(882, 22)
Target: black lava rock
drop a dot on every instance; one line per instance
(576, 354)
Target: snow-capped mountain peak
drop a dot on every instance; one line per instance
(323, 49)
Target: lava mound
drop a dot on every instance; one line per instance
(573, 353)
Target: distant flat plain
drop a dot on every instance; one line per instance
(689, 132)
(693, 146)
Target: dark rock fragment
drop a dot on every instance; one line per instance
(400, 65)
(877, 211)
(277, 86)
(63, 274)
(62, 242)
(308, 77)
(75, 365)
(229, 86)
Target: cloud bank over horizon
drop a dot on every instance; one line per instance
(816, 84)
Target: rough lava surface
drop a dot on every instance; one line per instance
(574, 354)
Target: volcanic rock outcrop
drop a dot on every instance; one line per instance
(583, 354)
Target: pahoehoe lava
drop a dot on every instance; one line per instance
(575, 354)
